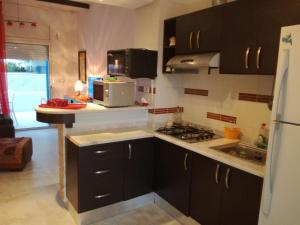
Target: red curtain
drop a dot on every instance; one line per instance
(4, 106)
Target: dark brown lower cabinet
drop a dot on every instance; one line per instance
(205, 190)
(101, 175)
(240, 197)
(222, 195)
(173, 174)
(138, 167)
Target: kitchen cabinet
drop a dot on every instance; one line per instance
(199, 32)
(101, 175)
(241, 197)
(223, 195)
(138, 167)
(173, 174)
(250, 37)
(205, 190)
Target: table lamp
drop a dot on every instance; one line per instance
(78, 87)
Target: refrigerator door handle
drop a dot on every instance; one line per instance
(281, 78)
(272, 148)
(269, 176)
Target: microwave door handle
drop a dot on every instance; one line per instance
(272, 149)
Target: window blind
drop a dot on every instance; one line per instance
(26, 51)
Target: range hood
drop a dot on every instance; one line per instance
(193, 63)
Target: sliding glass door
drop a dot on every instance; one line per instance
(27, 68)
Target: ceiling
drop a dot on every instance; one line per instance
(131, 4)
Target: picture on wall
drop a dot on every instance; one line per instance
(82, 66)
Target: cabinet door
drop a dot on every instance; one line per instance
(138, 167)
(173, 174)
(238, 38)
(240, 198)
(266, 26)
(185, 34)
(199, 32)
(208, 23)
(205, 190)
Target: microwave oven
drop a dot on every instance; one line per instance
(113, 93)
(133, 63)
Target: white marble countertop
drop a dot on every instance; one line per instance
(91, 107)
(108, 137)
(202, 148)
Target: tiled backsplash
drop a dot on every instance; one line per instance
(191, 91)
(232, 100)
(165, 110)
(220, 117)
(255, 97)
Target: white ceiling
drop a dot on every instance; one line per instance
(131, 4)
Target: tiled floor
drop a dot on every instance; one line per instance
(29, 197)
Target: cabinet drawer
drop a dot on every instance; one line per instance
(105, 151)
(99, 166)
(104, 193)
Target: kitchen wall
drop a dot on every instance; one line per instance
(222, 102)
(56, 27)
(104, 28)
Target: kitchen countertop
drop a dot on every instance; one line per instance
(202, 148)
(91, 107)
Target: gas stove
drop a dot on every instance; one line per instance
(188, 133)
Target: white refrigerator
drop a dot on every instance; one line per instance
(281, 192)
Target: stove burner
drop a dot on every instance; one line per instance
(187, 133)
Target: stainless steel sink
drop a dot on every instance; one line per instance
(243, 151)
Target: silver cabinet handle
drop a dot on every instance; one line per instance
(101, 152)
(102, 172)
(185, 161)
(217, 173)
(227, 178)
(129, 151)
(191, 39)
(247, 58)
(258, 53)
(198, 38)
(102, 196)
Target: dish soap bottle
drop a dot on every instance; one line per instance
(178, 116)
(263, 136)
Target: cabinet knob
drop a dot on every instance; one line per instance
(227, 178)
(191, 39)
(185, 161)
(102, 196)
(217, 174)
(247, 58)
(102, 172)
(258, 53)
(101, 152)
(129, 151)
(198, 38)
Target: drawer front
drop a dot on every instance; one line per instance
(100, 166)
(91, 154)
(98, 194)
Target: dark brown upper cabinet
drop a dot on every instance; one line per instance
(250, 37)
(199, 32)
(246, 32)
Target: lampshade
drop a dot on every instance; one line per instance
(78, 86)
